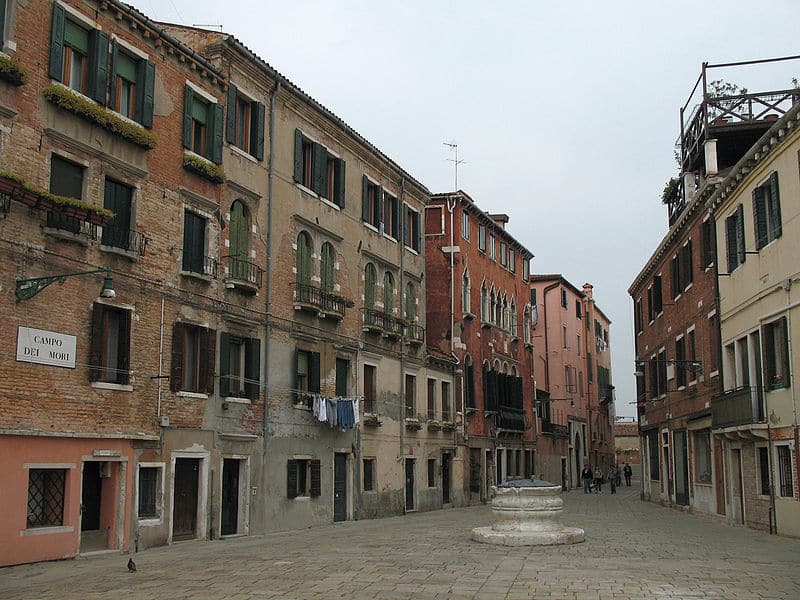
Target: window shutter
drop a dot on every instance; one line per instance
(395, 218)
(230, 120)
(112, 92)
(96, 344)
(313, 372)
(417, 233)
(740, 234)
(339, 169)
(688, 270)
(760, 217)
(378, 207)
(98, 65)
(298, 156)
(124, 349)
(316, 483)
(291, 479)
(145, 86)
(775, 206)
(208, 347)
(56, 68)
(295, 383)
(730, 242)
(188, 100)
(405, 225)
(217, 126)
(364, 198)
(176, 365)
(319, 171)
(785, 354)
(257, 135)
(224, 364)
(252, 367)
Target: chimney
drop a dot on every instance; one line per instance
(501, 219)
(587, 290)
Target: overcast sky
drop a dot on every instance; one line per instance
(566, 113)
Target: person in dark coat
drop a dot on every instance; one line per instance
(586, 476)
(627, 471)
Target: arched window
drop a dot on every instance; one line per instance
(239, 242)
(493, 308)
(411, 302)
(505, 313)
(388, 292)
(326, 270)
(485, 314)
(369, 287)
(303, 259)
(465, 292)
(469, 381)
(526, 326)
(513, 316)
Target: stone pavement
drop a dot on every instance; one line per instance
(633, 550)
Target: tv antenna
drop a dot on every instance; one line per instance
(207, 26)
(454, 146)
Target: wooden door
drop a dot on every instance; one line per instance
(445, 478)
(91, 492)
(719, 476)
(410, 484)
(340, 487)
(184, 510)
(230, 496)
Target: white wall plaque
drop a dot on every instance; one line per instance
(46, 347)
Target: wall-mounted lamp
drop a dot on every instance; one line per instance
(28, 288)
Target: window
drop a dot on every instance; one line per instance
(785, 476)
(431, 399)
(513, 318)
(469, 381)
(662, 372)
(318, 170)
(109, 360)
(580, 384)
(76, 54)
(239, 266)
(66, 179)
(675, 276)
(691, 355)
(388, 292)
(307, 377)
(370, 389)
(371, 203)
(342, 376)
(303, 478)
(526, 326)
(411, 231)
(563, 298)
(578, 339)
(465, 293)
(411, 303)
(578, 310)
(391, 215)
(734, 239)
(369, 286)
(638, 316)
(702, 451)
(776, 355)
(118, 233)
(195, 259)
(767, 212)
(303, 260)
(686, 268)
(681, 368)
(46, 497)
(411, 396)
(658, 307)
(526, 269)
(202, 125)
(707, 235)
(512, 260)
(326, 268)
(149, 492)
(445, 401)
(3, 26)
(503, 254)
(712, 352)
(492, 254)
(485, 314)
(465, 225)
(369, 474)
(653, 454)
(239, 366)
(132, 87)
(763, 470)
(244, 127)
(564, 336)
(193, 358)
(482, 237)
(431, 472)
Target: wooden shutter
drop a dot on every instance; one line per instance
(112, 92)
(378, 206)
(760, 217)
(316, 483)
(319, 169)
(740, 234)
(291, 478)
(730, 242)
(145, 92)
(124, 348)
(775, 206)
(230, 120)
(296, 397)
(365, 199)
(98, 65)
(675, 276)
(339, 169)
(96, 343)
(208, 347)
(298, 156)
(785, 352)
(188, 100)
(56, 67)
(417, 232)
(252, 367)
(257, 133)
(176, 364)
(313, 372)
(406, 233)
(688, 273)
(224, 364)
(215, 152)
(395, 218)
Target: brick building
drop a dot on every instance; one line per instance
(479, 313)
(626, 441)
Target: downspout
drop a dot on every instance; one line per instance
(546, 343)
(403, 344)
(451, 205)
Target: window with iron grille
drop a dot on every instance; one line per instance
(785, 478)
(763, 469)
(303, 478)
(149, 492)
(46, 497)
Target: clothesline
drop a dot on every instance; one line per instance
(336, 412)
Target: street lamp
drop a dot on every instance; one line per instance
(28, 288)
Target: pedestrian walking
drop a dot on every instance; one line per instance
(598, 479)
(586, 476)
(613, 475)
(627, 471)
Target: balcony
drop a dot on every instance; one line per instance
(736, 407)
(74, 227)
(511, 419)
(127, 240)
(312, 299)
(554, 429)
(392, 328)
(203, 266)
(242, 274)
(374, 321)
(415, 334)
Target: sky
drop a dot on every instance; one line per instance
(565, 113)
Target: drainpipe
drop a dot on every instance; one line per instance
(451, 205)
(403, 300)
(546, 343)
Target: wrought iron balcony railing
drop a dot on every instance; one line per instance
(128, 240)
(555, 429)
(415, 333)
(200, 264)
(311, 297)
(375, 321)
(240, 270)
(510, 418)
(739, 406)
(73, 225)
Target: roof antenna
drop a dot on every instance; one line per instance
(454, 146)
(205, 26)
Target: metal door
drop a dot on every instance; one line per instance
(340, 487)
(445, 478)
(410, 483)
(91, 492)
(230, 496)
(184, 510)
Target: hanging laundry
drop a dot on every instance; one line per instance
(356, 417)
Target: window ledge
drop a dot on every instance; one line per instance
(198, 276)
(105, 385)
(195, 395)
(410, 249)
(327, 202)
(308, 191)
(688, 287)
(148, 522)
(243, 153)
(713, 374)
(132, 256)
(47, 530)
(237, 400)
(79, 238)
(301, 498)
(468, 316)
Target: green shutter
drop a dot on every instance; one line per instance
(339, 169)
(252, 367)
(760, 217)
(257, 135)
(775, 206)
(98, 65)
(319, 169)
(230, 120)
(145, 92)
(396, 219)
(224, 364)
(364, 198)
(313, 372)
(115, 56)
(76, 37)
(405, 225)
(417, 233)
(378, 206)
(291, 479)
(208, 352)
(125, 66)
(298, 156)
(730, 242)
(740, 234)
(124, 347)
(215, 153)
(188, 101)
(316, 484)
